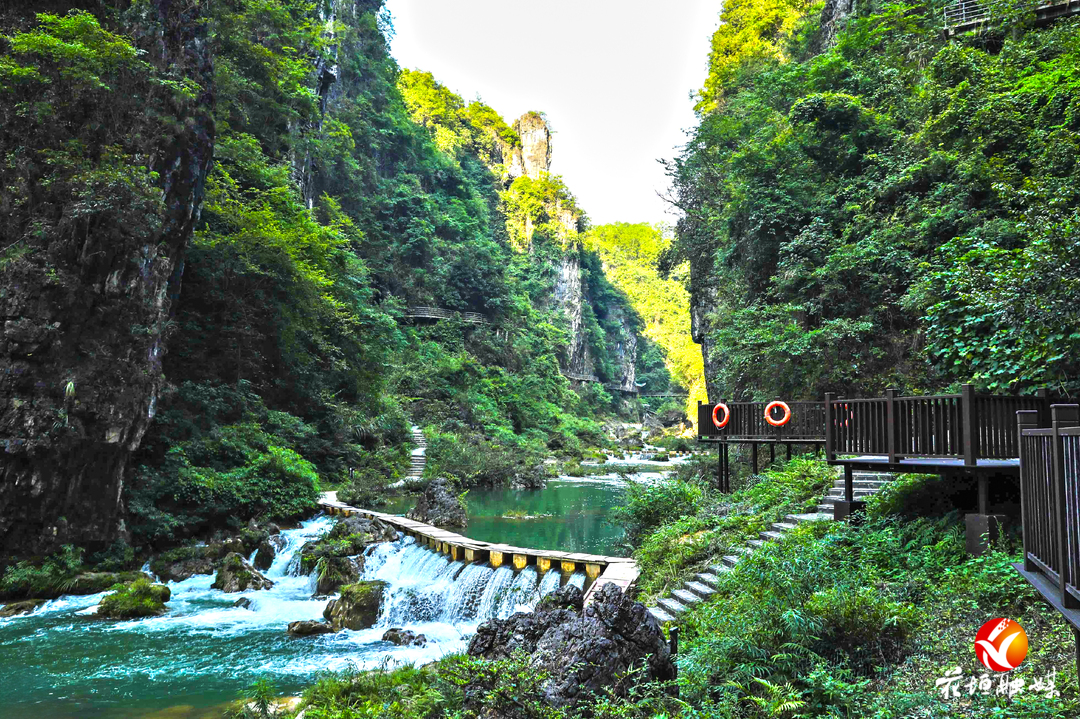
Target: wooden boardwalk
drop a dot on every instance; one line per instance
(620, 571)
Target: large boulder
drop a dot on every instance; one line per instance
(135, 600)
(348, 538)
(582, 651)
(179, 564)
(404, 637)
(267, 551)
(331, 573)
(440, 505)
(358, 606)
(236, 575)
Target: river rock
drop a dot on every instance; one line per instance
(348, 538)
(141, 598)
(181, 563)
(357, 607)
(534, 477)
(334, 572)
(582, 651)
(440, 505)
(404, 637)
(236, 575)
(244, 603)
(24, 607)
(309, 628)
(266, 553)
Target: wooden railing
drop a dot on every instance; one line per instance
(1050, 498)
(748, 422)
(438, 313)
(966, 426)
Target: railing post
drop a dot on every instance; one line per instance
(890, 424)
(971, 428)
(830, 453)
(1044, 411)
(1025, 419)
(1061, 416)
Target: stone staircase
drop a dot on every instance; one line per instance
(418, 460)
(705, 584)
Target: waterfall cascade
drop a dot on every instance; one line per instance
(205, 647)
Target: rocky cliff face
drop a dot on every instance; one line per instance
(833, 18)
(703, 302)
(84, 320)
(533, 158)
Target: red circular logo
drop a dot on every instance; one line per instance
(1001, 645)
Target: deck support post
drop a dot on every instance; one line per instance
(848, 508)
(982, 528)
(788, 446)
(753, 453)
(772, 453)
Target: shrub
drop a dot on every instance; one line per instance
(140, 598)
(52, 577)
(647, 506)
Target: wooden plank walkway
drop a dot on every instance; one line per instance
(621, 571)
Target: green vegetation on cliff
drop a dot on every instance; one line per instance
(630, 254)
(896, 210)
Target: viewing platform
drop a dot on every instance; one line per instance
(602, 570)
(438, 313)
(969, 15)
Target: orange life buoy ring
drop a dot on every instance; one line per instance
(783, 420)
(727, 415)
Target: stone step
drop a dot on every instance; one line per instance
(861, 484)
(719, 568)
(839, 492)
(730, 560)
(756, 543)
(811, 517)
(671, 606)
(880, 476)
(783, 526)
(660, 614)
(771, 536)
(700, 589)
(708, 579)
(743, 550)
(686, 597)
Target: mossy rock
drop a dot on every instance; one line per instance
(357, 607)
(236, 575)
(24, 607)
(140, 598)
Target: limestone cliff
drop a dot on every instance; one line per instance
(84, 310)
(533, 157)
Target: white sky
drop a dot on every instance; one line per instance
(613, 78)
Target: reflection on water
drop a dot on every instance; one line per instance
(570, 514)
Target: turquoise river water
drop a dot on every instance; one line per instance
(61, 661)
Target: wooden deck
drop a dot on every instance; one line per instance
(621, 571)
(929, 465)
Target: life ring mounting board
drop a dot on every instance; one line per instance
(783, 420)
